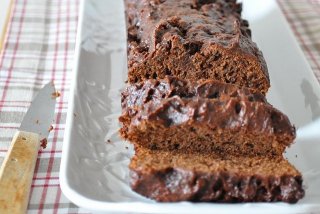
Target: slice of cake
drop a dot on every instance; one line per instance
(169, 176)
(193, 39)
(186, 118)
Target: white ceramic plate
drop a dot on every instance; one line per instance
(94, 172)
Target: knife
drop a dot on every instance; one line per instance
(18, 166)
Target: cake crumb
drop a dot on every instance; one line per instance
(50, 128)
(55, 94)
(37, 121)
(127, 147)
(296, 156)
(74, 114)
(43, 143)
(126, 81)
(109, 141)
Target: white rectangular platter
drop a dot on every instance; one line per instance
(94, 167)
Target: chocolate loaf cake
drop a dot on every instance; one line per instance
(168, 176)
(205, 117)
(193, 39)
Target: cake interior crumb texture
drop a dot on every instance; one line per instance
(193, 39)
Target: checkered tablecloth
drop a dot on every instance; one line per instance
(304, 19)
(39, 47)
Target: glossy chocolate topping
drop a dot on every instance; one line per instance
(202, 22)
(171, 185)
(137, 95)
(233, 114)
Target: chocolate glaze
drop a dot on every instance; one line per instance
(137, 95)
(174, 184)
(236, 114)
(210, 22)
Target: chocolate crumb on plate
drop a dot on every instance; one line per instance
(55, 94)
(43, 143)
(50, 128)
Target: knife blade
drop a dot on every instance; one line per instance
(40, 114)
(18, 166)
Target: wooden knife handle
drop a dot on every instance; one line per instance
(4, 29)
(17, 171)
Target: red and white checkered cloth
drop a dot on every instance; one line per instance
(39, 47)
(304, 19)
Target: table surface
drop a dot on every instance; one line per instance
(39, 47)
